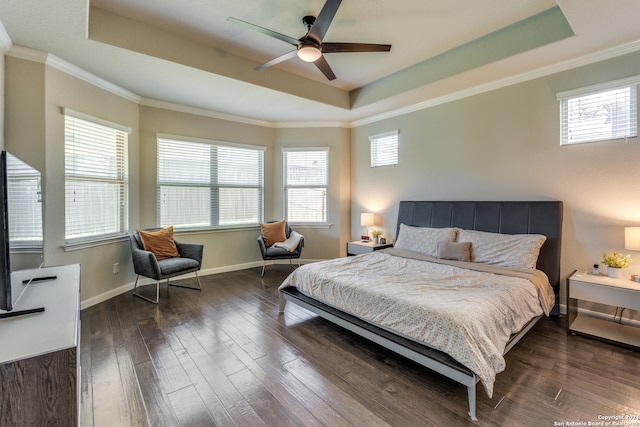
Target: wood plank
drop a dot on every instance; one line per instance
(155, 398)
(130, 386)
(109, 399)
(189, 408)
(331, 389)
(265, 404)
(214, 406)
(86, 386)
(207, 363)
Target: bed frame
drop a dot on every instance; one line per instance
(544, 217)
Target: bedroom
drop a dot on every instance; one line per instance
(505, 149)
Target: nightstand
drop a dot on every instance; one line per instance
(358, 248)
(621, 292)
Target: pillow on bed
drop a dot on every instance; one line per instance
(506, 250)
(457, 251)
(424, 239)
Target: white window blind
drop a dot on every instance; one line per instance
(305, 185)
(24, 198)
(384, 149)
(206, 184)
(598, 114)
(96, 179)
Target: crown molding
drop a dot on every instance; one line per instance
(72, 70)
(164, 105)
(282, 125)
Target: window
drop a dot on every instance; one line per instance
(384, 149)
(305, 185)
(96, 178)
(599, 113)
(204, 184)
(25, 205)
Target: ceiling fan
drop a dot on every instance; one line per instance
(310, 47)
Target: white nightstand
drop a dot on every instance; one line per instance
(621, 292)
(358, 248)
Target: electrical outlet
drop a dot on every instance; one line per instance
(116, 267)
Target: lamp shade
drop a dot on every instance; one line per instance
(366, 219)
(632, 238)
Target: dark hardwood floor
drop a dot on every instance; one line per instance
(225, 357)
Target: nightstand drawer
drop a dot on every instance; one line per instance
(602, 292)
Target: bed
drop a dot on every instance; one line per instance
(424, 300)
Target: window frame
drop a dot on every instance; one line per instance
(286, 186)
(383, 142)
(213, 185)
(121, 180)
(631, 115)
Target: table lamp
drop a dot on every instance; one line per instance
(366, 220)
(632, 238)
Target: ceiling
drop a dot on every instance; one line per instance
(186, 53)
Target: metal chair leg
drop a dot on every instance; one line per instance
(198, 288)
(264, 264)
(144, 297)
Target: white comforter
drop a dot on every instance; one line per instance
(465, 313)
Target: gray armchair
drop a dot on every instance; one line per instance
(145, 264)
(277, 253)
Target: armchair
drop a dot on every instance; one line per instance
(276, 252)
(146, 264)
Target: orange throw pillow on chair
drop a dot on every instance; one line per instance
(273, 232)
(160, 242)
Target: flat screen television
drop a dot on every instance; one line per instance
(21, 247)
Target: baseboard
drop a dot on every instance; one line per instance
(144, 281)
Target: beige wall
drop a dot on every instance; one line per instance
(35, 133)
(321, 242)
(504, 145)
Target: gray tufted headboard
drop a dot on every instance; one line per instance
(496, 217)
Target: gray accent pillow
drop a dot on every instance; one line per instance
(457, 251)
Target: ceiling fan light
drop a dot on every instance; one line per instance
(309, 53)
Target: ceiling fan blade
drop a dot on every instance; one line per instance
(277, 60)
(265, 31)
(320, 27)
(354, 47)
(323, 66)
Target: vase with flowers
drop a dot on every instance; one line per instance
(376, 235)
(615, 262)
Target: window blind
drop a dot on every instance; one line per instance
(25, 204)
(205, 184)
(305, 185)
(96, 180)
(384, 149)
(598, 115)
